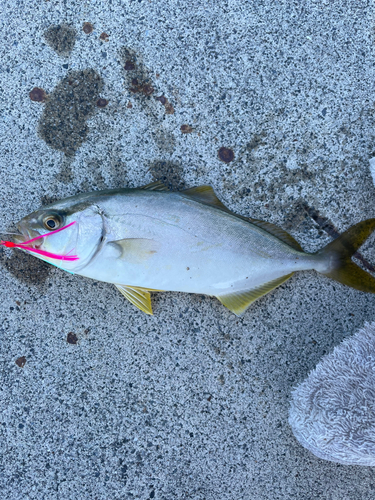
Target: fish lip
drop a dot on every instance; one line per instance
(27, 234)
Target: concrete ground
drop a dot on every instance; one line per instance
(98, 400)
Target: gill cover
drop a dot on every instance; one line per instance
(82, 236)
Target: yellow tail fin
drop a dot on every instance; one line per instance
(338, 255)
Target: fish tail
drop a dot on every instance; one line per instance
(335, 259)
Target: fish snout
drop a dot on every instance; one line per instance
(27, 234)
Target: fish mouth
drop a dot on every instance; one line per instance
(27, 234)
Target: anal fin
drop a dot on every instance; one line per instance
(238, 302)
(140, 297)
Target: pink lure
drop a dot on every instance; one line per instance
(23, 246)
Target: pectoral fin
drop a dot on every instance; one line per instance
(238, 302)
(135, 250)
(139, 297)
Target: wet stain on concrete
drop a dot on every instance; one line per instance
(25, 268)
(61, 38)
(137, 78)
(168, 173)
(139, 82)
(143, 89)
(63, 122)
(104, 173)
(66, 174)
(139, 87)
(267, 190)
(94, 179)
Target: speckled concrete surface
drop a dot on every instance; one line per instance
(193, 402)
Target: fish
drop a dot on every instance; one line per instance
(151, 239)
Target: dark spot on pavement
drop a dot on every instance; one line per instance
(256, 141)
(61, 38)
(104, 37)
(137, 77)
(162, 99)
(102, 103)
(63, 122)
(186, 129)
(37, 95)
(72, 338)
(87, 28)
(226, 155)
(129, 66)
(169, 109)
(21, 361)
(139, 83)
(168, 173)
(141, 87)
(25, 267)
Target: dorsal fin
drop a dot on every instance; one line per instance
(281, 234)
(238, 302)
(155, 186)
(206, 195)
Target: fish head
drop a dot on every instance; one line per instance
(65, 234)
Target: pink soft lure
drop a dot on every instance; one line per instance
(44, 253)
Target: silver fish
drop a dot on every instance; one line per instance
(151, 239)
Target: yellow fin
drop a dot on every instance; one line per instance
(206, 195)
(238, 302)
(155, 186)
(338, 254)
(281, 234)
(135, 250)
(139, 297)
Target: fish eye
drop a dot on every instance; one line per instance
(51, 222)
